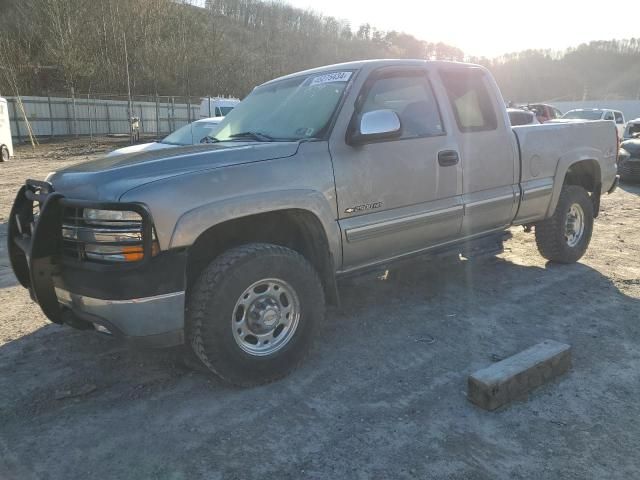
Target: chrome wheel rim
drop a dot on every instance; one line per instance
(265, 317)
(574, 228)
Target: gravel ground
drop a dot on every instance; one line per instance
(381, 396)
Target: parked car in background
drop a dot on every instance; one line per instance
(518, 116)
(629, 160)
(615, 116)
(632, 129)
(6, 145)
(200, 131)
(217, 107)
(544, 112)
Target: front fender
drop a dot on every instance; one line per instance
(195, 222)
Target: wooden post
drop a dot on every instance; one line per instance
(173, 114)
(141, 119)
(66, 104)
(50, 114)
(89, 117)
(75, 117)
(15, 119)
(157, 117)
(106, 105)
(129, 105)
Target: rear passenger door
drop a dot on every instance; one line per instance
(488, 150)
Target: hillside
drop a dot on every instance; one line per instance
(174, 48)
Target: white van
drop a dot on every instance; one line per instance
(6, 145)
(217, 106)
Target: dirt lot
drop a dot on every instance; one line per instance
(382, 395)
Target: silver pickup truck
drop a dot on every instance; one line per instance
(233, 245)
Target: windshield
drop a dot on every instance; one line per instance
(288, 110)
(194, 133)
(583, 114)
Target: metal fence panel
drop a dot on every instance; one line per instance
(90, 115)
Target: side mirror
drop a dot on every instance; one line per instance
(377, 125)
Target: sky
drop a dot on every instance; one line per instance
(487, 28)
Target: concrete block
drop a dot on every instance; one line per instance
(516, 376)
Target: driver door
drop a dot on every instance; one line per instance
(401, 195)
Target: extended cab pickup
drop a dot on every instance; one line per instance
(234, 246)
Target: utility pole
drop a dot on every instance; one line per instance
(129, 108)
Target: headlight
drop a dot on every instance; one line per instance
(105, 235)
(110, 217)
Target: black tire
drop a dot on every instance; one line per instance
(550, 233)
(212, 307)
(4, 153)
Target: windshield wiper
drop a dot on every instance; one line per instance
(261, 137)
(209, 139)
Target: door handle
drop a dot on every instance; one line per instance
(448, 158)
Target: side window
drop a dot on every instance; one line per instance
(470, 100)
(619, 118)
(608, 116)
(411, 97)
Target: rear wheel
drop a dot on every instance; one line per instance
(253, 311)
(565, 236)
(4, 153)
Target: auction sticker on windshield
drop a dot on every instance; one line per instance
(331, 77)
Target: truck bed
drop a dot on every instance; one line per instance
(546, 152)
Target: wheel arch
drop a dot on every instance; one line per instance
(300, 229)
(583, 171)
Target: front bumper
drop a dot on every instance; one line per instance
(141, 301)
(151, 321)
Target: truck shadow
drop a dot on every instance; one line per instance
(444, 299)
(418, 331)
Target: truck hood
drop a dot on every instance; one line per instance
(108, 178)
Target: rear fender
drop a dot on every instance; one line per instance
(564, 163)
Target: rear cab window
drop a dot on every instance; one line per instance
(470, 100)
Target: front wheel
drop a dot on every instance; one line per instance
(4, 154)
(253, 311)
(565, 236)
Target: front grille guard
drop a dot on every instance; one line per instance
(34, 240)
